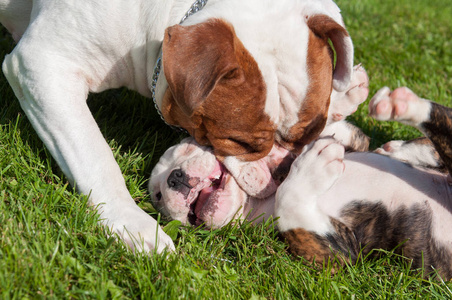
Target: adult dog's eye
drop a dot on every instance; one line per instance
(243, 145)
(158, 196)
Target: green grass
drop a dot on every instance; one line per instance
(52, 247)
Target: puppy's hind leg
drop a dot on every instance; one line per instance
(434, 120)
(419, 152)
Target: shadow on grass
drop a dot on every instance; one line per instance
(124, 117)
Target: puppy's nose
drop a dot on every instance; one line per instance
(178, 181)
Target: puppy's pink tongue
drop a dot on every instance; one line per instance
(202, 199)
(215, 177)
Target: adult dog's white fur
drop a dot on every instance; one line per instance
(67, 49)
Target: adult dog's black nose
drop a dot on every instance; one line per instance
(178, 181)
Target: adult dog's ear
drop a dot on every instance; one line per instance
(195, 58)
(328, 28)
(216, 90)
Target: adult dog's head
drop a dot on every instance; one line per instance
(244, 74)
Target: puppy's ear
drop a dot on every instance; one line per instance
(326, 27)
(195, 58)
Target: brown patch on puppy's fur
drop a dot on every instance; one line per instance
(421, 141)
(408, 230)
(340, 244)
(306, 244)
(367, 226)
(438, 129)
(216, 90)
(313, 112)
(359, 141)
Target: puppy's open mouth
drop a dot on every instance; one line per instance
(205, 204)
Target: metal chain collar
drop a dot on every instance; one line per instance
(197, 6)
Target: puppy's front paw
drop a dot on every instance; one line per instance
(318, 167)
(136, 228)
(401, 105)
(345, 103)
(311, 175)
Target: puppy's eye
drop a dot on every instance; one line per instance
(158, 196)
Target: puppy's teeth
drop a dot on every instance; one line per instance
(216, 177)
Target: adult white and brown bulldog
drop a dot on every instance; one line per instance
(331, 203)
(237, 75)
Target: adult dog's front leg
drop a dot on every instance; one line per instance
(52, 92)
(310, 232)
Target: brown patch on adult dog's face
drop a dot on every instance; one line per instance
(218, 94)
(216, 90)
(314, 111)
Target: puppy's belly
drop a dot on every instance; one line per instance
(376, 178)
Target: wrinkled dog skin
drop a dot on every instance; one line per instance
(190, 185)
(237, 75)
(193, 186)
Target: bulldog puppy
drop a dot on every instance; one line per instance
(237, 75)
(191, 185)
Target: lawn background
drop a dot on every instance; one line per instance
(52, 247)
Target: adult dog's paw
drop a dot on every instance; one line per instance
(136, 228)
